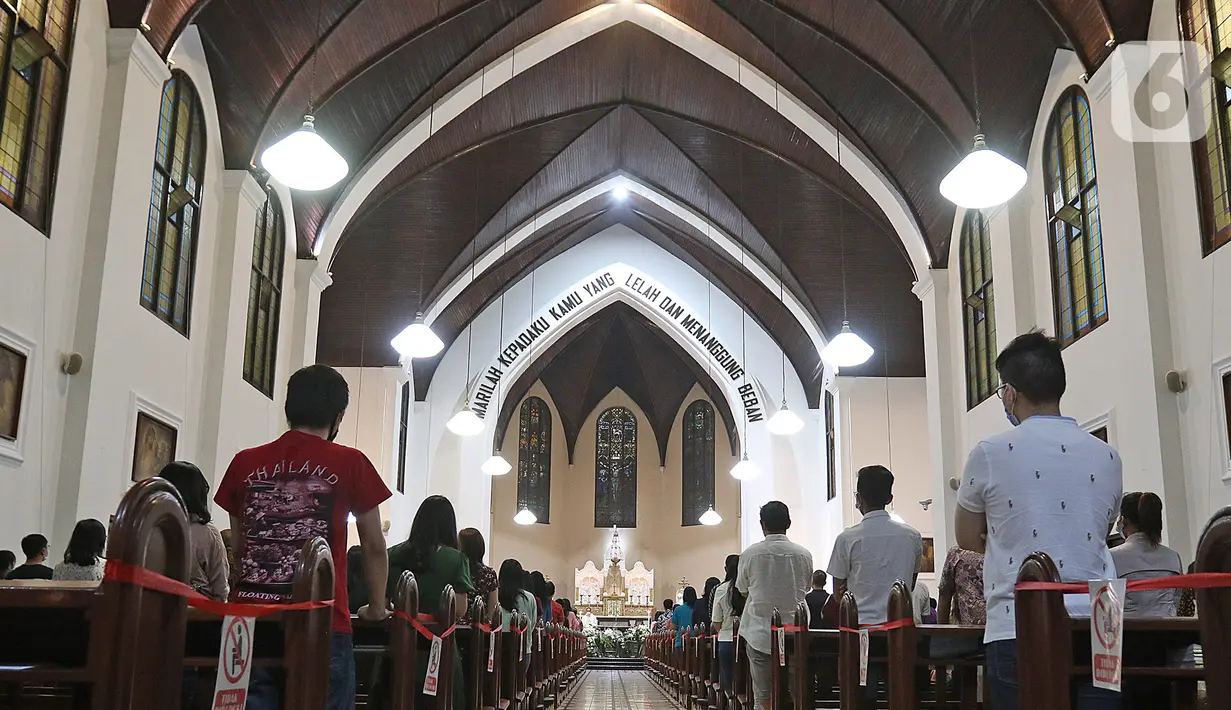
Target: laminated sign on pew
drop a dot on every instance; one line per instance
(234, 663)
(1107, 632)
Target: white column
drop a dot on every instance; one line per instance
(311, 280)
(933, 291)
(111, 271)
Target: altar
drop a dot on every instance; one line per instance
(617, 597)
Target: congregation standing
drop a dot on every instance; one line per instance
(1045, 484)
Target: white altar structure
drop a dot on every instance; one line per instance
(615, 593)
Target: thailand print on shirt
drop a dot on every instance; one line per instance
(281, 515)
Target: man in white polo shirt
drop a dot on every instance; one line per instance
(870, 556)
(1044, 485)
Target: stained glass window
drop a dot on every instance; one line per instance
(265, 296)
(698, 461)
(615, 469)
(175, 204)
(403, 430)
(534, 459)
(978, 309)
(1208, 23)
(34, 56)
(1078, 291)
(831, 448)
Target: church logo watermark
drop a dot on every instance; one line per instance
(1162, 91)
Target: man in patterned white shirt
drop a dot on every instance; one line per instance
(773, 574)
(1043, 485)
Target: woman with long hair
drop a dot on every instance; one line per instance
(681, 616)
(513, 596)
(1144, 556)
(430, 553)
(83, 558)
(209, 572)
(703, 613)
(538, 587)
(723, 623)
(470, 542)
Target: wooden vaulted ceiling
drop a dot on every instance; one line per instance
(620, 348)
(895, 75)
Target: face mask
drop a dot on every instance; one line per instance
(1012, 418)
(333, 431)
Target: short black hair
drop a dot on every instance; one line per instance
(1032, 364)
(316, 396)
(775, 517)
(7, 562)
(33, 545)
(875, 486)
(668, 603)
(551, 588)
(819, 578)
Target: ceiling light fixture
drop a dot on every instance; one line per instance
(465, 422)
(984, 178)
(417, 340)
(303, 160)
(745, 469)
(497, 465)
(620, 192)
(846, 349)
(784, 422)
(710, 517)
(525, 517)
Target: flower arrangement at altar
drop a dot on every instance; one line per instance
(616, 643)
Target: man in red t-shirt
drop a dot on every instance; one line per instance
(291, 490)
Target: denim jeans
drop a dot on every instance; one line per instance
(1002, 682)
(726, 664)
(265, 687)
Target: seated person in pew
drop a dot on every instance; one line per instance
(430, 553)
(209, 573)
(1046, 485)
(728, 605)
(682, 615)
(921, 597)
(961, 602)
(83, 558)
(773, 574)
(870, 556)
(514, 596)
(295, 488)
(1143, 556)
(816, 599)
(8, 561)
(34, 547)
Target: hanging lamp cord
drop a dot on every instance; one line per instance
(974, 74)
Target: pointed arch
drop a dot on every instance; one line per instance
(534, 459)
(615, 469)
(697, 462)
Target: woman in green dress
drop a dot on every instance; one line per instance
(431, 554)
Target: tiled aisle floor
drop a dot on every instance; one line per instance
(618, 690)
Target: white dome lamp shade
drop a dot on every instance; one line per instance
(784, 422)
(417, 340)
(710, 517)
(465, 422)
(305, 161)
(846, 349)
(744, 470)
(984, 178)
(496, 465)
(525, 517)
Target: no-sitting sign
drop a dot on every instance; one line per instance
(1107, 631)
(234, 663)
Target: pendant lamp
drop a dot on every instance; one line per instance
(305, 161)
(984, 178)
(525, 517)
(710, 517)
(496, 465)
(846, 349)
(745, 469)
(417, 340)
(465, 422)
(784, 422)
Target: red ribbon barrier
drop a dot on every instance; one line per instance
(419, 621)
(1203, 580)
(888, 625)
(117, 571)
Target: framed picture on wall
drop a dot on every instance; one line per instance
(929, 556)
(154, 446)
(12, 389)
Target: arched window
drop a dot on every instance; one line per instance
(615, 469)
(1078, 293)
(978, 308)
(265, 296)
(175, 204)
(831, 448)
(1206, 23)
(698, 461)
(35, 41)
(534, 459)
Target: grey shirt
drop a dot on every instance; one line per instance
(1138, 558)
(775, 574)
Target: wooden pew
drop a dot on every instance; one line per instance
(513, 685)
(905, 661)
(739, 696)
(1053, 649)
(815, 651)
(1214, 608)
